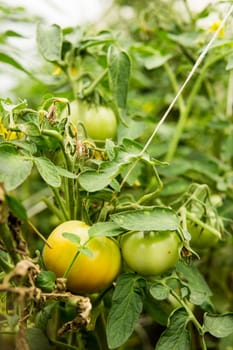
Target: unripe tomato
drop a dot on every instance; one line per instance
(100, 122)
(201, 238)
(151, 252)
(88, 274)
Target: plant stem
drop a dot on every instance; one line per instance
(61, 205)
(192, 318)
(61, 214)
(38, 233)
(202, 224)
(100, 332)
(8, 241)
(175, 85)
(87, 91)
(71, 264)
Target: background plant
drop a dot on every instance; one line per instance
(117, 185)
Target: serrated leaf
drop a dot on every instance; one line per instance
(14, 169)
(48, 171)
(159, 291)
(72, 237)
(16, 207)
(105, 229)
(64, 172)
(49, 40)
(125, 311)
(219, 325)
(155, 218)
(119, 72)
(93, 181)
(192, 278)
(176, 336)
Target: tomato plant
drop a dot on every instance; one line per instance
(129, 175)
(151, 253)
(90, 272)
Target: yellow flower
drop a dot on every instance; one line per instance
(57, 71)
(214, 26)
(148, 107)
(9, 135)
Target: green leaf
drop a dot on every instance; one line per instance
(226, 343)
(12, 62)
(31, 129)
(159, 291)
(72, 237)
(46, 280)
(154, 218)
(63, 172)
(86, 251)
(119, 72)
(25, 145)
(125, 311)
(176, 336)
(14, 169)
(219, 326)
(155, 61)
(49, 40)
(48, 171)
(37, 339)
(93, 181)
(42, 316)
(192, 278)
(16, 207)
(189, 39)
(105, 229)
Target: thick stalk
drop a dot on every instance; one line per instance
(192, 318)
(69, 183)
(89, 90)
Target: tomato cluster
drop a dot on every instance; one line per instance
(146, 253)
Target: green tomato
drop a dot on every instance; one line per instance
(207, 231)
(100, 122)
(152, 252)
(201, 237)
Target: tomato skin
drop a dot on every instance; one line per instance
(88, 274)
(201, 238)
(151, 253)
(100, 122)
